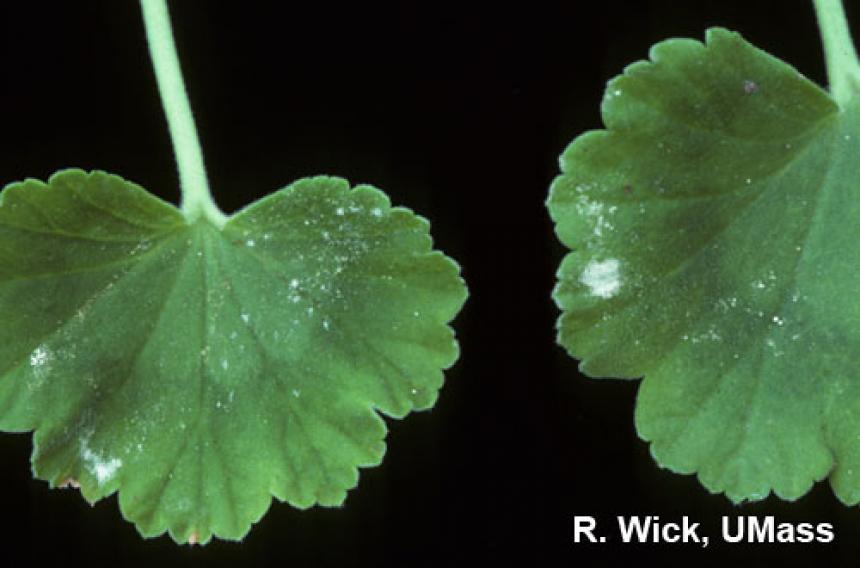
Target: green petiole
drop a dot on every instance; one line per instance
(197, 200)
(843, 68)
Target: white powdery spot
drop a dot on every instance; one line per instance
(40, 363)
(594, 212)
(104, 469)
(750, 87)
(40, 356)
(376, 212)
(588, 208)
(602, 277)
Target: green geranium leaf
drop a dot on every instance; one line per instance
(713, 228)
(199, 371)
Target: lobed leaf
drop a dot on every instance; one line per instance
(713, 228)
(200, 372)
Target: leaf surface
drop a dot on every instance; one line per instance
(713, 236)
(200, 372)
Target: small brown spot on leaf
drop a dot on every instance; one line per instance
(193, 538)
(69, 483)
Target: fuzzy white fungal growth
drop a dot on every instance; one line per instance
(602, 277)
(104, 469)
(40, 356)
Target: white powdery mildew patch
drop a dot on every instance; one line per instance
(40, 357)
(41, 360)
(603, 278)
(103, 468)
(596, 214)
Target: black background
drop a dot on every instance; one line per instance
(458, 112)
